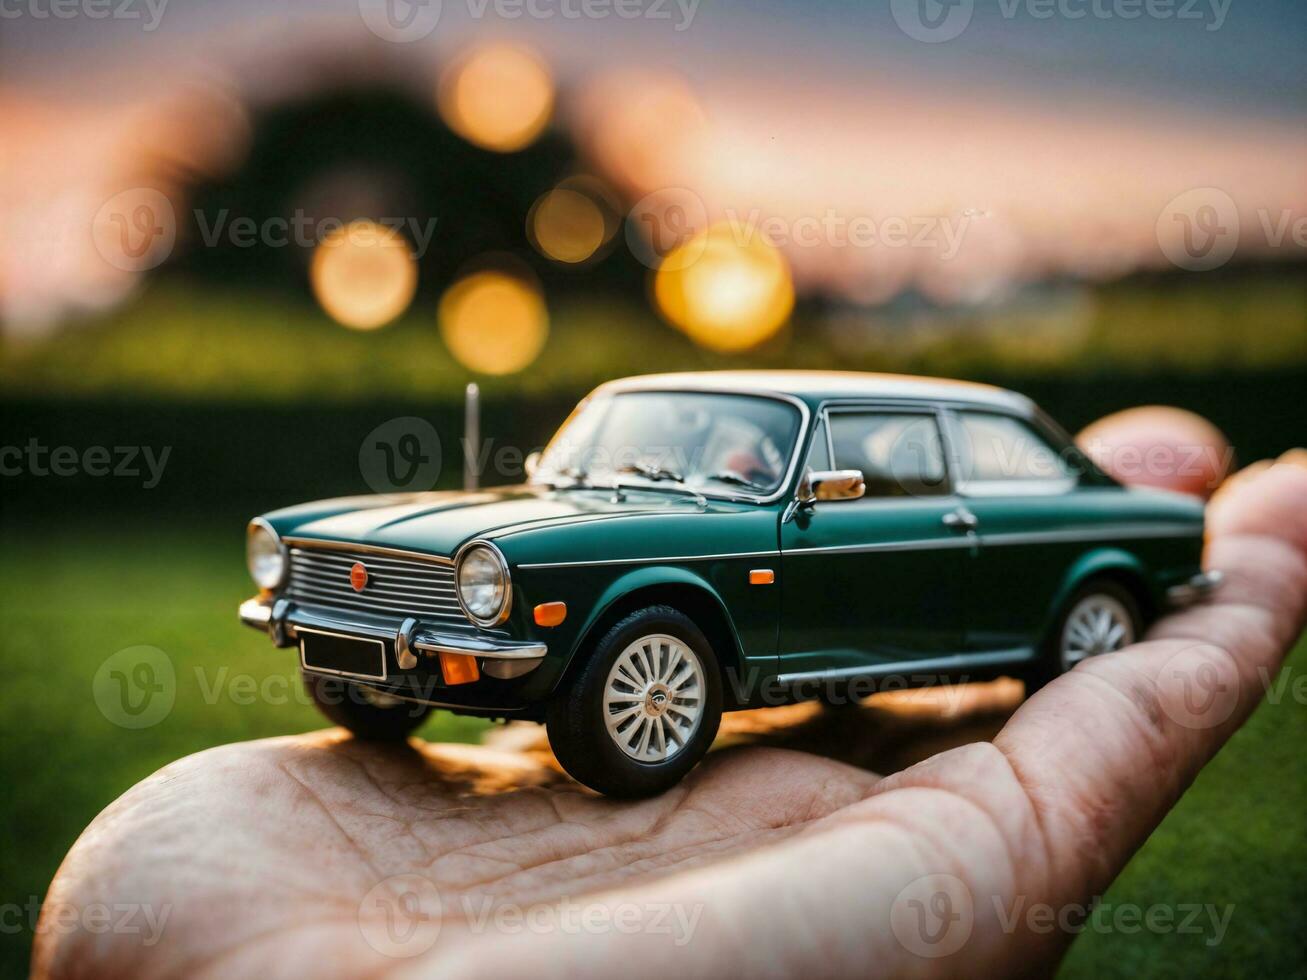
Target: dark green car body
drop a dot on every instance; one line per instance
(942, 584)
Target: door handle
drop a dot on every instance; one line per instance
(960, 520)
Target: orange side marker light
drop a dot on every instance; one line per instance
(550, 613)
(761, 576)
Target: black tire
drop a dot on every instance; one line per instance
(576, 723)
(351, 706)
(1049, 664)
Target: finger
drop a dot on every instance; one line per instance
(1160, 447)
(1104, 752)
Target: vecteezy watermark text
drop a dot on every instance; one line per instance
(405, 21)
(304, 231)
(150, 11)
(933, 21)
(37, 459)
(96, 918)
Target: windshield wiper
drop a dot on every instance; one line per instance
(662, 475)
(652, 471)
(730, 476)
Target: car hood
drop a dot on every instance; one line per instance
(442, 521)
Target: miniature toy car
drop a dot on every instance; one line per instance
(698, 543)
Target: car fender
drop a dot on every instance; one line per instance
(644, 577)
(1096, 562)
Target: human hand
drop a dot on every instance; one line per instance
(320, 853)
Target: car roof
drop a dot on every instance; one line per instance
(819, 386)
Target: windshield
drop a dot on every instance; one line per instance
(714, 443)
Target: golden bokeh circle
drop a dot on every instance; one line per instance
(363, 275)
(727, 292)
(498, 97)
(494, 322)
(567, 226)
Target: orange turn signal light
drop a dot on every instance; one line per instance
(459, 668)
(761, 576)
(550, 613)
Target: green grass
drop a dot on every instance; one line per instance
(73, 597)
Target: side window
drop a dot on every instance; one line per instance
(999, 453)
(819, 452)
(900, 454)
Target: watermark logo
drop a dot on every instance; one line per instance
(136, 687)
(1199, 229)
(400, 916)
(1194, 692)
(400, 21)
(401, 455)
(933, 915)
(932, 21)
(662, 222)
(135, 230)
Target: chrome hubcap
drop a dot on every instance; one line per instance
(1098, 624)
(653, 698)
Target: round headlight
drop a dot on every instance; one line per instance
(483, 584)
(264, 555)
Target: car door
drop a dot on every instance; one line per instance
(1031, 513)
(875, 580)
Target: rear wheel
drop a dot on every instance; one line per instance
(367, 713)
(1100, 617)
(642, 710)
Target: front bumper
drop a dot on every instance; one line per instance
(1196, 589)
(410, 641)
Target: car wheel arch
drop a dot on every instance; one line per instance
(676, 588)
(1115, 565)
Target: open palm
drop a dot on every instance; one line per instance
(786, 852)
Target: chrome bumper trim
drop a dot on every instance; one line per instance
(255, 612)
(281, 619)
(1197, 588)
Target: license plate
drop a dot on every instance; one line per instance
(336, 653)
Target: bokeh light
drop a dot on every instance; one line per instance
(364, 275)
(494, 322)
(499, 97)
(573, 222)
(736, 293)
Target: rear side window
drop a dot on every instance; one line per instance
(899, 454)
(1005, 454)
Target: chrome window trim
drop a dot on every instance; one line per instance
(332, 545)
(1041, 425)
(507, 605)
(800, 437)
(890, 406)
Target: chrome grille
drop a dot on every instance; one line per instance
(396, 586)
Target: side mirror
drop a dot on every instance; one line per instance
(831, 485)
(531, 464)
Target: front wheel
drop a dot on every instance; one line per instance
(642, 710)
(1100, 617)
(367, 713)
